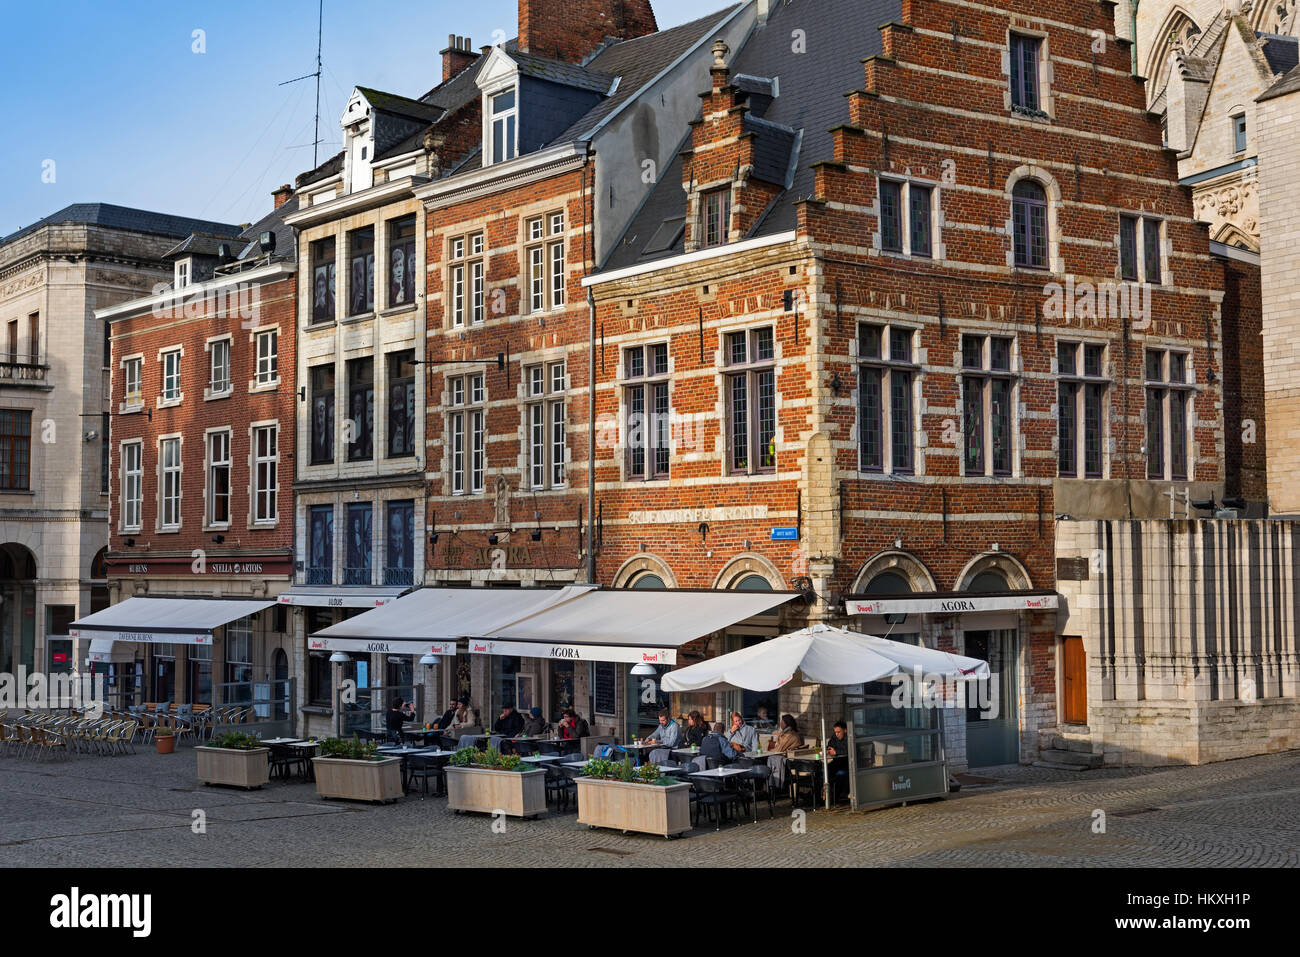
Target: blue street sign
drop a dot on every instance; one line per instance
(790, 534)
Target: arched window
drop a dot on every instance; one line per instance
(753, 583)
(889, 583)
(989, 581)
(648, 580)
(1029, 224)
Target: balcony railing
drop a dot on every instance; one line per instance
(358, 576)
(320, 576)
(15, 368)
(399, 576)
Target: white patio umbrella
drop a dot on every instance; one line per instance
(822, 655)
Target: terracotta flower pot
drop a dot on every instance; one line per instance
(166, 743)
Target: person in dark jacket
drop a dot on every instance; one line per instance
(696, 729)
(448, 716)
(714, 747)
(399, 712)
(510, 723)
(535, 725)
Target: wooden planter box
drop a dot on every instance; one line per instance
(358, 780)
(646, 808)
(239, 769)
(517, 793)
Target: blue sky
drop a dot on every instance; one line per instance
(114, 94)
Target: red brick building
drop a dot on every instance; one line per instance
(911, 323)
(201, 468)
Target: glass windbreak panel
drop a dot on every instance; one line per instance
(882, 751)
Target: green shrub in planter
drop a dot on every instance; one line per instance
(352, 749)
(235, 741)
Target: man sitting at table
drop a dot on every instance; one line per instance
(573, 727)
(741, 737)
(837, 749)
(510, 723)
(668, 734)
(448, 717)
(713, 748)
(535, 725)
(399, 712)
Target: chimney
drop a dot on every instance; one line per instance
(282, 195)
(764, 11)
(573, 31)
(458, 55)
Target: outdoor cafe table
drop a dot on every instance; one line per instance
(542, 758)
(306, 751)
(404, 753)
(269, 741)
(722, 774)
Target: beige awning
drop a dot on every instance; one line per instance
(184, 621)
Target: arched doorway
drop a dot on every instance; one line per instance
(993, 740)
(17, 608)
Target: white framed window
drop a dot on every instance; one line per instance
(465, 280)
(132, 381)
(886, 420)
(544, 253)
(169, 483)
(503, 122)
(171, 375)
(467, 433)
(1081, 395)
(219, 367)
(715, 217)
(182, 273)
(1169, 394)
(546, 385)
(267, 348)
(218, 485)
(132, 484)
(266, 477)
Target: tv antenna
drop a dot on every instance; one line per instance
(315, 142)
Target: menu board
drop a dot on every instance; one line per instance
(606, 689)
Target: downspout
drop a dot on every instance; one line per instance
(591, 437)
(1134, 6)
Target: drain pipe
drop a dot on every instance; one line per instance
(591, 437)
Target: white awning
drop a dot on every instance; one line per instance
(444, 615)
(391, 647)
(626, 625)
(101, 650)
(341, 596)
(184, 621)
(952, 604)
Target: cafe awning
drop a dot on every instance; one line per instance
(951, 603)
(438, 616)
(184, 621)
(626, 625)
(341, 596)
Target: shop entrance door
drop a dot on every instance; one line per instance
(992, 711)
(1074, 681)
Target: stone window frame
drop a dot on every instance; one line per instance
(254, 337)
(208, 464)
(160, 472)
(126, 406)
(466, 253)
(751, 368)
(208, 392)
(912, 366)
(1175, 390)
(1046, 111)
(1142, 222)
(986, 374)
(644, 563)
(546, 239)
(465, 399)
(254, 489)
(551, 399)
(1052, 189)
(1081, 379)
(645, 383)
(899, 562)
(179, 351)
(123, 525)
(905, 184)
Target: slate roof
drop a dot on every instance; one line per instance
(126, 218)
(1282, 53)
(198, 244)
(401, 105)
(273, 221)
(842, 32)
(566, 74)
(331, 167)
(1288, 84)
(773, 150)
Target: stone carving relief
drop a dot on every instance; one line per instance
(1230, 204)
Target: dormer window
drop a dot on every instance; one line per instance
(503, 115)
(182, 273)
(716, 213)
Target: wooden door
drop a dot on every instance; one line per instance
(1074, 681)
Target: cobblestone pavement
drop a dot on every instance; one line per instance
(136, 810)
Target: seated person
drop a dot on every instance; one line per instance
(573, 727)
(837, 749)
(535, 725)
(668, 733)
(763, 721)
(448, 717)
(399, 712)
(510, 723)
(788, 739)
(714, 747)
(741, 737)
(696, 729)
